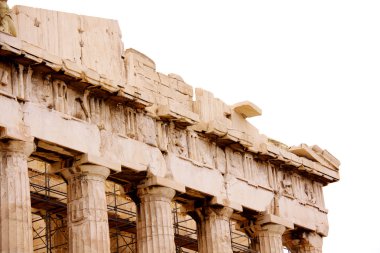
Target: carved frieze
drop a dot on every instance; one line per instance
(118, 121)
(17, 81)
(162, 129)
(250, 167)
(234, 163)
(146, 129)
(60, 96)
(130, 122)
(306, 191)
(309, 192)
(319, 194)
(206, 152)
(115, 116)
(4, 77)
(262, 178)
(286, 184)
(192, 140)
(178, 141)
(45, 92)
(221, 161)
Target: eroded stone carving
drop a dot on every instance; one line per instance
(221, 162)
(262, 178)
(60, 96)
(21, 81)
(6, 22)
(309, 191)
(4, 77)
(250, 167)
(319, 194)
(162, 135)
(206, 151)
(235, 163)
(130, 122)
(84, 112)
(45, 93)
(178, 141)
(98, 111)
(146, 129)
(286, 183)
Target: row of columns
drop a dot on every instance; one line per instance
(88, 219)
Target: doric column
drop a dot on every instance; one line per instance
(15, 206)
(267, 233)
(87, 209)
(304, 242)
(155, 232)
(268, 238)
(213, 229)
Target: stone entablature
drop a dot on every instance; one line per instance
(149, 122)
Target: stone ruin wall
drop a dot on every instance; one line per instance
(67, 83)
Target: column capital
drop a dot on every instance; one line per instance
(86, 170)
(270, 219)
(222, 212)
(271, 227)
(23, 147)
(155, 191)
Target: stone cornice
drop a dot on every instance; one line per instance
(31, 55)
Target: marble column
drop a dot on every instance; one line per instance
(15, 206)
(213, 229)
(267, 238)
(87, 216)
(155, 232)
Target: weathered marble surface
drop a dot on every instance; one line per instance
(94, 102)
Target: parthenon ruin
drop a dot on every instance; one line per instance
(100, 152)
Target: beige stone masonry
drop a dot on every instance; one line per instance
(213, 229)
(304, 242)
(99, 108)
(87, 209)
(155, 232)
(15, 206)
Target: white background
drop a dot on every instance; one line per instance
(312, 66)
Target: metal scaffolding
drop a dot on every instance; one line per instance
(49, 210)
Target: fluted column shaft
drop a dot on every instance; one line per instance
(155, 232)
(268, 238)
(213, 229)
(87, 209)
(15, 206)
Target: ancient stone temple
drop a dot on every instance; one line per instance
(100, 152)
